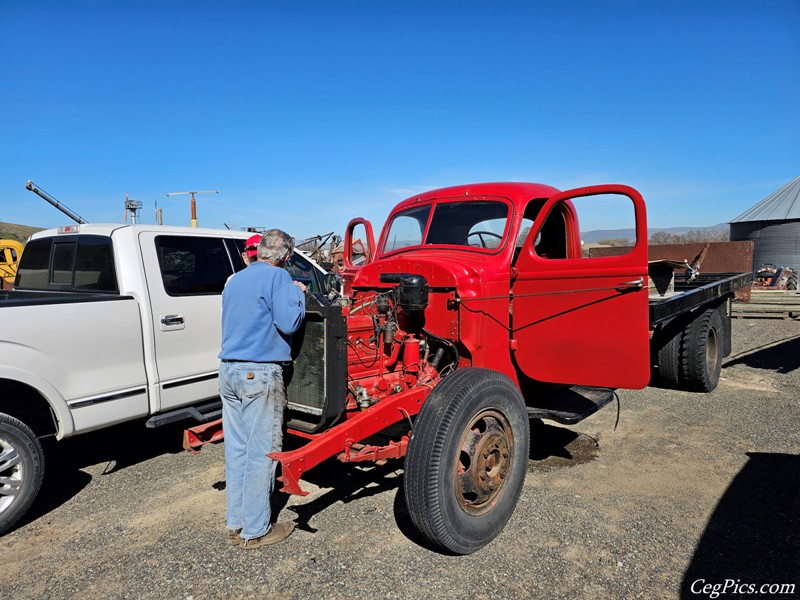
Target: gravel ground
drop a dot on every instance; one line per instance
(689, 487)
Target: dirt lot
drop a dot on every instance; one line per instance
(689, 487)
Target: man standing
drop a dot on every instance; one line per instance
(261, 309)
(250, 253)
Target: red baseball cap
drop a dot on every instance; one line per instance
(251, 245)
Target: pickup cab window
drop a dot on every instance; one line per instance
(303, 271)
(298, 266)
(193, 265)
(73, 263)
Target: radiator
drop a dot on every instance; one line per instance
(317, 382)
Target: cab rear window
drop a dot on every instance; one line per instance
(73, 263)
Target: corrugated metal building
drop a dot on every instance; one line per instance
(774, 226)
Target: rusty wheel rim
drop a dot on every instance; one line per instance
(484, 461)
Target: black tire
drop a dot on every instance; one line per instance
(791, 283)
(467, 459)
(702, 352)
(668, 354)
(21, 470)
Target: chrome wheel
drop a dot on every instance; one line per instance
(12, 474)
(21, 470)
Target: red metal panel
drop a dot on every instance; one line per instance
(580, 320)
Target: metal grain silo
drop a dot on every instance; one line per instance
(774, 226)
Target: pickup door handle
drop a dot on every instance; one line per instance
(631, 285)
(169, 320)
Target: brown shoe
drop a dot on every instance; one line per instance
(277, 533)
(234, 539)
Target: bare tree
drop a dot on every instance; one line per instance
(615, 242)
(690, 237)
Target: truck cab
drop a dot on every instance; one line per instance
(511, 284)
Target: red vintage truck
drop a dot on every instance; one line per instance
(478, 310)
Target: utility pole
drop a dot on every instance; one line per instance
(194, 204)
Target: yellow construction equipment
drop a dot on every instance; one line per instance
(10, 251)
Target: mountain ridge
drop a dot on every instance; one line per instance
(14, 231)
(21, 233)
(595, 235)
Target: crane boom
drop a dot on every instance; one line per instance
(39, 192)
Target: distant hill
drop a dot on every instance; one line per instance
(21, 233)
(12, 231)
(591, 237)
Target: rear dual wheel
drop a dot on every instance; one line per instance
(702, 357)
(467, 459)
(690, 352)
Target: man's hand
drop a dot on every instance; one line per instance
(301, 285)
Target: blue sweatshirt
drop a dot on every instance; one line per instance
(261, 309)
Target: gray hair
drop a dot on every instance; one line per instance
(276, 246)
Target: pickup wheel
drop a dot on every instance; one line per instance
(702, 352)
(467, 459)
(21, 470)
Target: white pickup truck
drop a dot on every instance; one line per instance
(111, 323)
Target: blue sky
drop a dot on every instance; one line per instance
(306, 114)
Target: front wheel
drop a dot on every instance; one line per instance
(467, 459)
(21, 470)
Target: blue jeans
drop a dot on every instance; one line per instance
(253, 399)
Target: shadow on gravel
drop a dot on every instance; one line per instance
(554, 447)
(119, 447)
(341, 483)
(551, 448)
(783, 357)
(347, 483)
(753, 537)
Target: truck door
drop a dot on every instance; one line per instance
(185, 275)
(578, 318)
